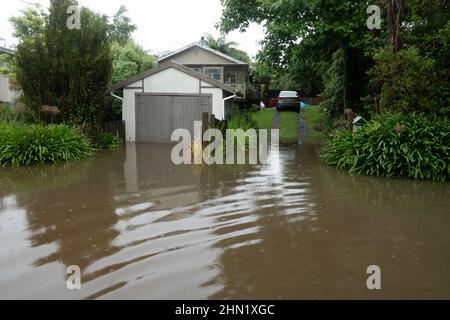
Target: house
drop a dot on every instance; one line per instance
(6, 94)
(185, 84)
(214, 64)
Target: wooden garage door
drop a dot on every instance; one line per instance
(158, 115)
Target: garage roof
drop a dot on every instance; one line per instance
(177, 66)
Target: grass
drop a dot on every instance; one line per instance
(264, 118)
(313, 118)
(289, 127)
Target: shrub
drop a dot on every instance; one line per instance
(412, 146)
(242, 120)
(38, 144)
(18, 114)
(411, 82)
(107, 141)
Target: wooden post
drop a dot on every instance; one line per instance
(350, 115)
(205, 121)
(212, 122)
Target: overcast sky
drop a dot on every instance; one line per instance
(162, 25)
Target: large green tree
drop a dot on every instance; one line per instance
(67, 68)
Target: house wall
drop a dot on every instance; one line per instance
(167, 81)
(197, 55)
(6, 94)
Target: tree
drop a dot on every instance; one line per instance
(228, 47)
(57, 66)
(335, 91)
(129, 60)
(121, 28)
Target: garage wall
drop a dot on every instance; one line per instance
(128, 113)
(218, 105)
(171, 81)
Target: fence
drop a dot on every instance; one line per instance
(116, 128)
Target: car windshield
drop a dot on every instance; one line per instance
(288, 94)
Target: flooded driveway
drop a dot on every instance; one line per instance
(140, 227)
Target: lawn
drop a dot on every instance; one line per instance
(289, 127)
(289, 124)
(264, 118)
(313, 118)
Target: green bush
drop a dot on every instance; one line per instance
(411, 82)
(38, 144)
(18, 115)
(108, 141)
(242, 120)
(412, 146)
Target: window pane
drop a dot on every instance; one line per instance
(214, 73)
(231, 77)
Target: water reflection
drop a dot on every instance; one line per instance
(141, 227)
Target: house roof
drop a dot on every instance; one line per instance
(6, 50)
(204, 47)
(178, 66)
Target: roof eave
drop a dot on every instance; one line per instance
(220, 54)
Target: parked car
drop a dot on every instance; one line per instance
(288, 100)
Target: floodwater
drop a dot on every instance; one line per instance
(142, 228)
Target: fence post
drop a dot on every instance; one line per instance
(122, 131)
(212, 121)
(205, 121)
(350, 117)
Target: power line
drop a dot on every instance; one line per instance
(34, 4)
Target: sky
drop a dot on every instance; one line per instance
(162, 25)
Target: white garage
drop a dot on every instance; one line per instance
(169, 97)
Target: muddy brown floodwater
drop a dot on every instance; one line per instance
(140, 227)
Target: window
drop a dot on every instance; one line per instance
(214, 73)
(231, 77)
